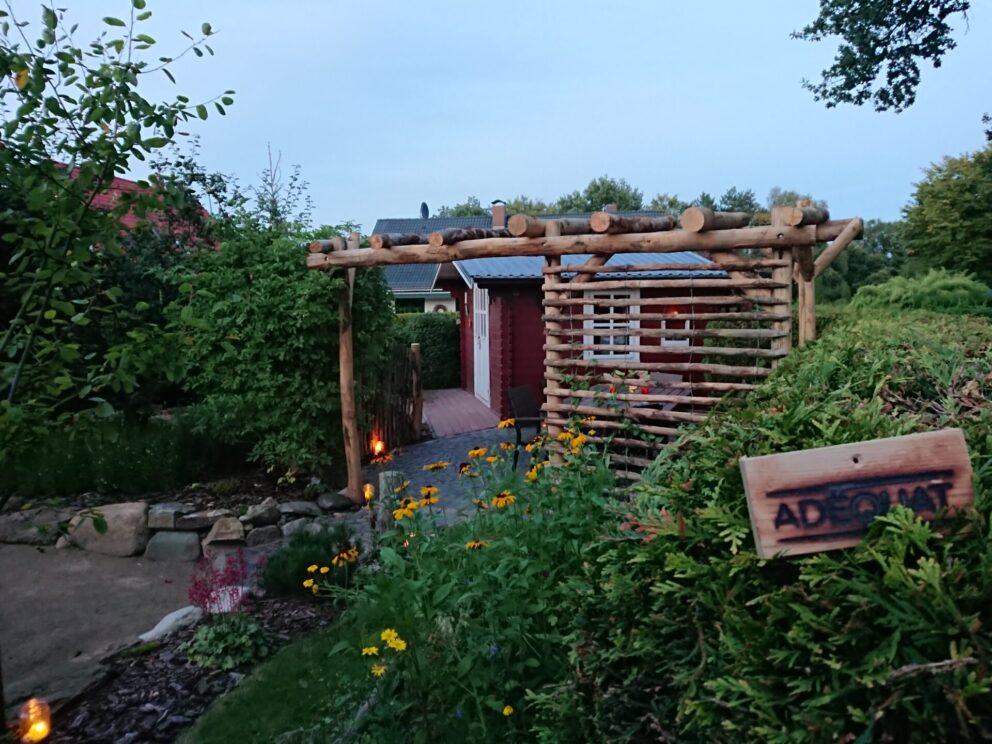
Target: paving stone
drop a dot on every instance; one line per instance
(173, 546)
(164, 516)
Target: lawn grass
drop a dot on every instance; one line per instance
(281, 695)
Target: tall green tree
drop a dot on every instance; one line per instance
(882, 45)
(739, 201)
(949, 219)
(471, 207)
(668, 204)
(600, 192)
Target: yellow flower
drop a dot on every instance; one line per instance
(507, 446)
(352, 554)
(315, 588)
(578, 441)
(532, 474)
(439, 465)
(480, 503)
(428, 501)
(378, 670)
(464, 469)
(397, 644)
(312, 568)
(389, 634)
(476, 545)
(345, 556)
(429, 491)
(477, 453)
(402, 487)
(370, 651)
(507, 710)
(308, 583)
(324, 569)
(368, 491)
(503, 498)
(564, 436)
(506, 423)
(492, 459)
(402, 513)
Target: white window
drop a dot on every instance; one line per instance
(612, 324)
(674, 322)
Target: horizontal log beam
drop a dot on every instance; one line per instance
(639, 462)
(653, 444)
(388, 240)
(738, 265)
(729, 300)
(695, 400)
(854, 229)
(632, 413)
(702, 219)
(326, 246)
(661, 242)
(453, 235)
(726, 370)
(613, 425)
(756, 317)
(615, 224)
(676, 351)
(716, 387)
(831, 229)
(525, 226)
(746, 333)
(797, 216)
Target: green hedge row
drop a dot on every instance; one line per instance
(437, 334)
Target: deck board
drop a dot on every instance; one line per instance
(456, 411)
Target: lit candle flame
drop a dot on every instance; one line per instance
(369, 491)
(36, 720)
(378, 446)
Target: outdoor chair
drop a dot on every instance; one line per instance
(526, 413)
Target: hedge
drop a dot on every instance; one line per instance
(437, 334)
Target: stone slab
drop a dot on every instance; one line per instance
(173, 546)
(126, 533)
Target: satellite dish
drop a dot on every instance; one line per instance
(424, 211)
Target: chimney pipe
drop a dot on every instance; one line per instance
(499, 215)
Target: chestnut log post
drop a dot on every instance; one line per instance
(783, 276)
(453, 235)
(388, 240)
(525, 226)
(326, 246)
(552, 358)
(552, 229)
(807, 310)
(703, 219)
(418, 391)
(852, 230)
(614, 224)
(808, 215)
(346, 362)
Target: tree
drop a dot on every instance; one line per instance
(668, 204)
(949, 219)
(739, 201)
(882, 45)
(600, 192)
(471, 207)
(706, 200)
(525, 205)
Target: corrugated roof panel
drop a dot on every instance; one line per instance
(411, 277)
(530, 267)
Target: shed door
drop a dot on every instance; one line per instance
(480, 303)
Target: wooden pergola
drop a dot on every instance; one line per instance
(737, 306)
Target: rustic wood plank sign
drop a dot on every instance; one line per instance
(823, 499)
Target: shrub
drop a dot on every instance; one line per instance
(682, 633)
(437, 334)
(938, 290)
(227, 641)
(286, 570)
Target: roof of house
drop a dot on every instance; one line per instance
(401, 277)
(411, 277)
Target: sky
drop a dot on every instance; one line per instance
(387, 103)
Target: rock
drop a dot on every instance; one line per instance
(202, 519)
(265, 513)
(33, 526)
(14, 503)
(225, 529)
(164, 516)
(62, 543)
(173, 621)
(126, 534)
(334, 502)
(297, 525)
(173, 546)
(300, 508)
(262, 535)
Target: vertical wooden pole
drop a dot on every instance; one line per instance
(349, 409)
(807, 310)
(782, 275)
(550, 337)
(418, 391)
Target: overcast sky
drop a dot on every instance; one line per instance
(385, 104)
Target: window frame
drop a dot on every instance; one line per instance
(632, 325)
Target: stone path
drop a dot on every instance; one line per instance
(62, 611)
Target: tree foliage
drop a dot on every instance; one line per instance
(600, 192)
(471, 207)
(882, 45)
(949, 219)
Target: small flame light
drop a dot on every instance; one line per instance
(368, 490)
(378, 446)
(36, 720)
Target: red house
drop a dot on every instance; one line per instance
(499, 302)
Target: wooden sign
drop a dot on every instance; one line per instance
(823, 499)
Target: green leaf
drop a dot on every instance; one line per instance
(139, 4)
(111, 21)
(168, 74)
(201, 111)
(205, 28)
(48, 17)
(50, 314)
(153, 143)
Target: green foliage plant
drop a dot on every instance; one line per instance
(440, 346)
(232, 640)
(682, 633)
(286, 569)
(937, 290)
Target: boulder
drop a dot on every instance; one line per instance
(225, 529)
(297, 525)
(172, 622)
(262, 535)
(63, 542)
(164, 516)
(202, 519)
(300, 509)
(33, 526)
(173, 546)
(126, 533)
(334, 501)
(265, 513)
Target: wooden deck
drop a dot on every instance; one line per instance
(456, 411)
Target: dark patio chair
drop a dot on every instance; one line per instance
(526, 413)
